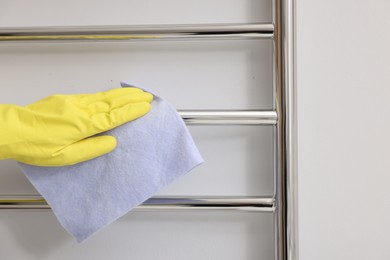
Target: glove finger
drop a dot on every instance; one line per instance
(107, 95)
(121, 101)
(119, 116)
(80, 151)
(110, 103)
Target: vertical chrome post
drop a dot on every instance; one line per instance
(285, 191)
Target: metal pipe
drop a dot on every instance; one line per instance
(229, 117)
(152, 32)
(161, 203)
(286, 237)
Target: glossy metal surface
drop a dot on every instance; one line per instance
(248, 204)
(286, 237)
(153, 32)
(229, 117)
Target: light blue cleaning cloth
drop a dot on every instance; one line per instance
(152, 151)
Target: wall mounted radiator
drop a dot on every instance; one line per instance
(283, 115)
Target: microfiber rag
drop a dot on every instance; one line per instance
(151, 152)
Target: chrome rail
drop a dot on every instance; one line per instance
(286, 223)
(152, 32)
(229, 117)
(160, 203)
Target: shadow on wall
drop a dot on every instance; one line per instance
(38, 234)
(13, 181)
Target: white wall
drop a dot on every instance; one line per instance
(215, 74)
(343, 101)
(344, 126)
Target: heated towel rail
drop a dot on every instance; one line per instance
(283, 116)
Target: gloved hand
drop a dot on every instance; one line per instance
(57, 130)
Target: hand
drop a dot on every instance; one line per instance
(57, 130)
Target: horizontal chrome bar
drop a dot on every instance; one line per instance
(229, 117)
(152, 32)
(161, 203)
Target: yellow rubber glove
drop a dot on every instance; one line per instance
(57, 130)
